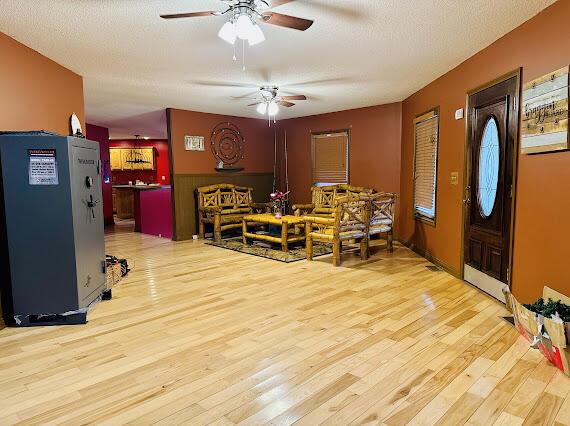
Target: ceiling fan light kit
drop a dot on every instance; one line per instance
(272, 108)
(228, 33)
(262, 108)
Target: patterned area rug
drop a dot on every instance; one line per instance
(262, 249)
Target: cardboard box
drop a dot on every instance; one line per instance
(549, 336)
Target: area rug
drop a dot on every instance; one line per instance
(262, 249)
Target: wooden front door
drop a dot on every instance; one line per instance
(492, 125)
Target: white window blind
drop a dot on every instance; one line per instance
(426, 139)
(330, 157)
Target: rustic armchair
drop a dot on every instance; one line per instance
(349, 221)
(323, 198)
(224, 205)
(382, 216)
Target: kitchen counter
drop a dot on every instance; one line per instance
(152, 215)
(140, 187)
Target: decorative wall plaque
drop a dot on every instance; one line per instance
(545, 113)
(227, 144)
(194, 143)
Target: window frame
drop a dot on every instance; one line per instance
(418, 215)
(330, 132)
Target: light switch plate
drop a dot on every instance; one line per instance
(454, 178)
(459, 114)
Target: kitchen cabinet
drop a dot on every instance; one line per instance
(122, 158)
(124, 203)
(116, 162)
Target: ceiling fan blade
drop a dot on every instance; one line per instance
(257, 103)
(222, 84)
(294, 98)
(190, 15)
(286, 21)
(275, 3)
(286, 104)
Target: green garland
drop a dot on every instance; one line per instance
(549, 308)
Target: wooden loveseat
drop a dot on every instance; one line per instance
(323, 199)
(224, 205)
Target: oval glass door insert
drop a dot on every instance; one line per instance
(488, 168)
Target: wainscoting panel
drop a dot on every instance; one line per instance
(185, 203)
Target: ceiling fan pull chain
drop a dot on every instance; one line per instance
(243, 54)
(234, 57)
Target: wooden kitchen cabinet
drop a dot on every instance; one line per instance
(121, 158)
(124, 203)
(116, 162)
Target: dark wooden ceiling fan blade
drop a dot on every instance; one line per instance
(286, 104)
(190, 15)
(294, 98)
(288, 21)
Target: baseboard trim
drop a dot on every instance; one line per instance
(428, 256)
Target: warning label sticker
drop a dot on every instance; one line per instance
(42, 167)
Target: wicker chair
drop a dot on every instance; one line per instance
(224, 205)
(382, 216)
(349, 221)
(323, 198)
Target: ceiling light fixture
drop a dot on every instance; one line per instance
(262, 108)
(272, 108)
(228, 33)
(256, 36)
(242, 27)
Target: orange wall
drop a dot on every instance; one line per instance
(542, 228)
(258, 155)
(374, 149)
(35, 92)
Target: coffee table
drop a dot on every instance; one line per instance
(285, 222)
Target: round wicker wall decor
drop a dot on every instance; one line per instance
(227, 143)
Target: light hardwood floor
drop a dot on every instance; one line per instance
(201, 335)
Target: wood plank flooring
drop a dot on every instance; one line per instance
(202, 335)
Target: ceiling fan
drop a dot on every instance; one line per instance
(244, 18)
(271, 100)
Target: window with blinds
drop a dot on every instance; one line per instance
(330, 157)
(426, 138)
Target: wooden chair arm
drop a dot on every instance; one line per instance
(320, 220)
(299, 209)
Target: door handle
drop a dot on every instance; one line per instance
(467, 198)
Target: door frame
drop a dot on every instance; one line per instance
(466, 173)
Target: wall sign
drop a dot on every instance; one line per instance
(545, 113)
(42, 168)
(194, 143)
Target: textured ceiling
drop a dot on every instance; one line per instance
(358, 52)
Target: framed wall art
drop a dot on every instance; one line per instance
(545, 113)
(194, 143)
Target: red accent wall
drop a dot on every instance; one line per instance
(101, 135)
(374, 148)
(36, 93)
(161, 158)
(542, 229)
